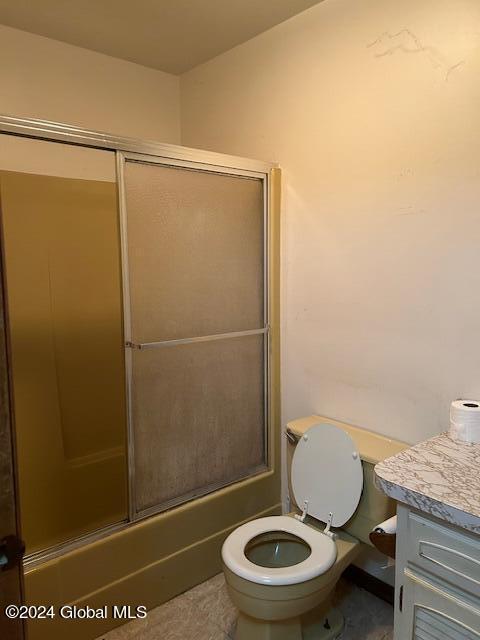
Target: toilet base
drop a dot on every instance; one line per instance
(252, 629)
(311, 627)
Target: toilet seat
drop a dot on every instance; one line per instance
(322, 557)
(327, 474)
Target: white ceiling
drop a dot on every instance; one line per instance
(171, 35)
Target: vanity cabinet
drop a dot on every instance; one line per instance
(437, 585)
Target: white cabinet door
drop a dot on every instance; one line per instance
(432, 614)
(450, 554)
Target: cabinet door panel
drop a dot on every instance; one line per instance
(450, 554)
(430, 614)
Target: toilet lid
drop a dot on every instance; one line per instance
(327, 471)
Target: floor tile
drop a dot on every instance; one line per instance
(212, 601)
(206, 613)
(366, 616)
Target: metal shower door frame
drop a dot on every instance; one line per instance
(164, 153)
(130, 345)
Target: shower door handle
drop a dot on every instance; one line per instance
(133, 345)
(215, 336)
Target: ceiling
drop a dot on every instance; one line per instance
(170, 35)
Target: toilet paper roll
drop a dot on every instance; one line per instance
(465, 410)
(384, 536)
(388, 526)
(465, 421)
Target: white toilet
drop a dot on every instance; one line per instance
(282, 567)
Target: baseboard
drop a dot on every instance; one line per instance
(370, 583)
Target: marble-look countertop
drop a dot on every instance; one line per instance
(439, 476)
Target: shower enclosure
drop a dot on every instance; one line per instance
(142, 303)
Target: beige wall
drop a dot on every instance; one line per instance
(378, 137)
(43, 78)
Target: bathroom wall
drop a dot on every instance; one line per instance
(47, 79)
(371, 109)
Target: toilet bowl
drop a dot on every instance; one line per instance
(281, 567)
(242, 551)
(270, 609)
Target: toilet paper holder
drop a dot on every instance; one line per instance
(384, 536)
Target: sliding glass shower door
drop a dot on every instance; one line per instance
(59, 220)
(196, 328)
(156, 266)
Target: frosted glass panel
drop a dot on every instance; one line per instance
(198, 411)
(195, 250)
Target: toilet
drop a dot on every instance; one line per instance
(281, 570)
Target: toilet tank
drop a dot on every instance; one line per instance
(374, 506)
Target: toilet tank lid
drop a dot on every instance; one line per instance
(372, 447)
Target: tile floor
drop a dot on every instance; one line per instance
(206, 613)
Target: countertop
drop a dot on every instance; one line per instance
(439, 476)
